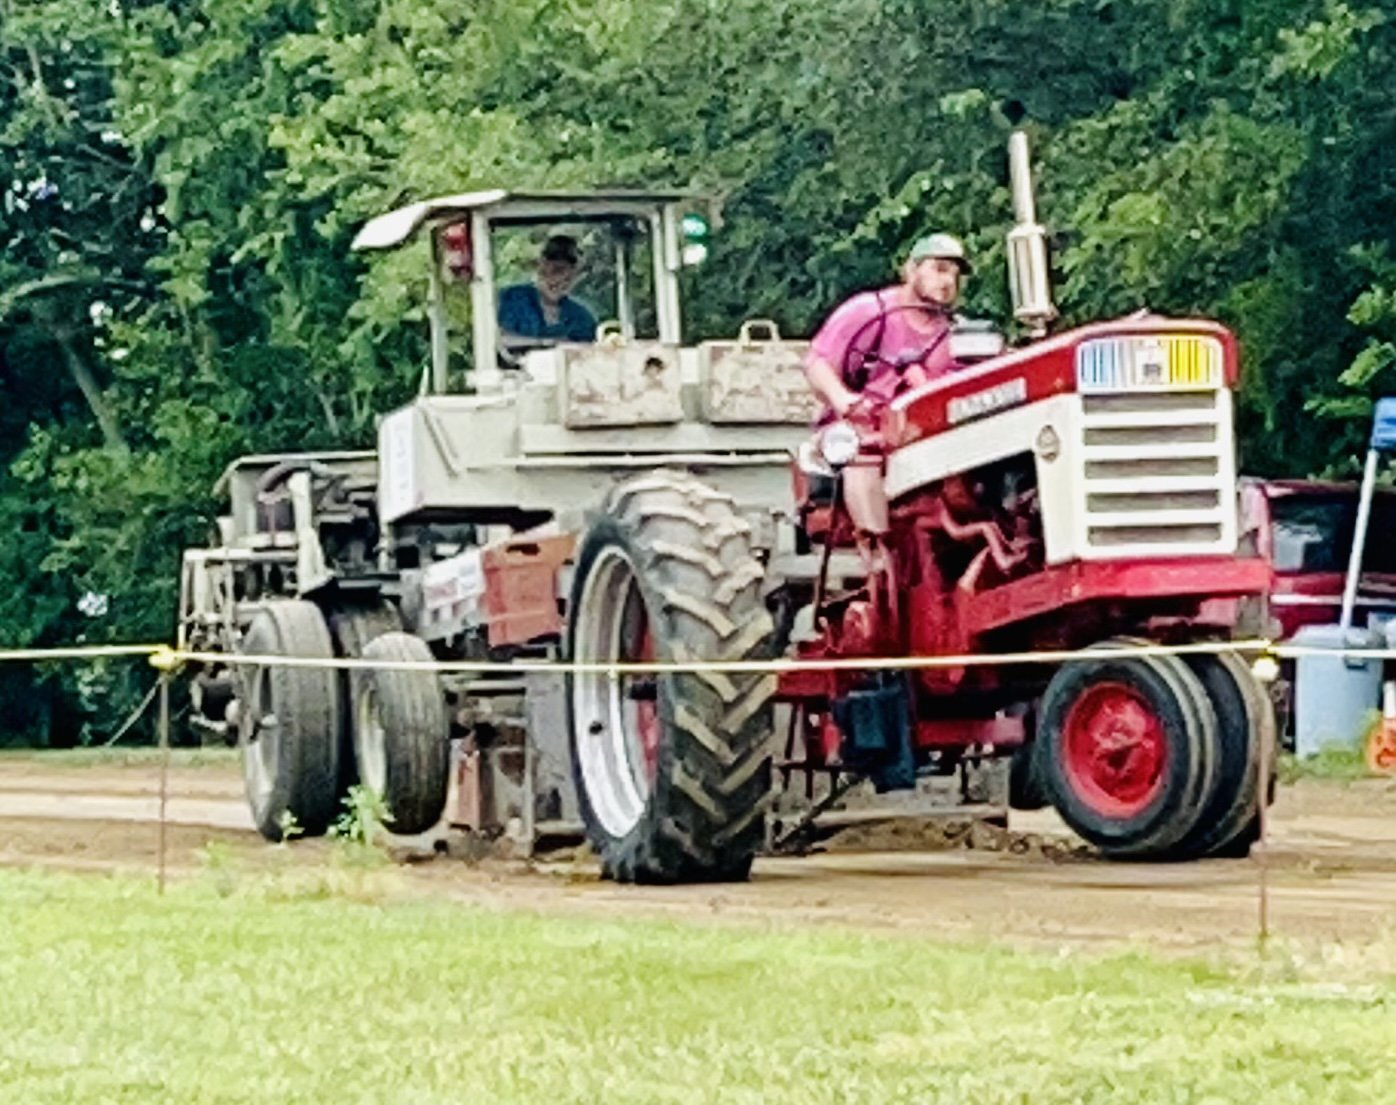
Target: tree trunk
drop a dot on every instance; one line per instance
(47, 315)
(92, 392)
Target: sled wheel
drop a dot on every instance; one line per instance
(400, 729)
(288, 722)
(351, 629)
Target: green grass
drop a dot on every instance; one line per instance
(1333, 763)
(292, 992)
(117, 757)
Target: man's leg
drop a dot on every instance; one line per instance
(866, 499)
(865, 495)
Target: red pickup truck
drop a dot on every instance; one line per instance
(1305, 528)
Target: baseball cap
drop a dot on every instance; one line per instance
(944, 246)
(562, 247)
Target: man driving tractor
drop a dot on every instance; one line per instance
(544, 309)
(878, 344)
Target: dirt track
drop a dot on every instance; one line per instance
(1331, 867)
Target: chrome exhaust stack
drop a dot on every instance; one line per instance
(1029, 280)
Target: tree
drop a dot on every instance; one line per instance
(181, 183)
(79, 232)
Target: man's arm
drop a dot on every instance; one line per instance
(830, 349)
(828, 384)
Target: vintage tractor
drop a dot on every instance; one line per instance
(625, 505)
(452, 540)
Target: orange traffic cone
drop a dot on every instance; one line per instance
(1381, 740)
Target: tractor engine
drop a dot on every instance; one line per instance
(971, 531)
(949, 541)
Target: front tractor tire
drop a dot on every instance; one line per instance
(1129, 755)
(672, 770)
(1246, 736)
(288, 722)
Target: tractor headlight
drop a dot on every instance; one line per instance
(838, 444)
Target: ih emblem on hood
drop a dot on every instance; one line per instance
(1151, 359)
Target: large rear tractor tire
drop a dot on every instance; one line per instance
(1246, 729)
(288, 722)
(401, 730)
(672, 770)
(1129, 752)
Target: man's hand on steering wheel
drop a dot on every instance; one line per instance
(862, 412)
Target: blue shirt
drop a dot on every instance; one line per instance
(521, 313)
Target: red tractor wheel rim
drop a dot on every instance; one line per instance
(647, 707)
(1114, 749)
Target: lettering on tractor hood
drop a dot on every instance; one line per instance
(1007, 394)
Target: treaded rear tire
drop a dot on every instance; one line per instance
(689, 555)
(1188, 724)
(410, 710)
(296, 771)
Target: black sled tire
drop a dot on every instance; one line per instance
(401, 732)
(289, 722)
(352, 628)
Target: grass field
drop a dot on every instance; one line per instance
(133, 756)
(329, 989)
(1339, 765)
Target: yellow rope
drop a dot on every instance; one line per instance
(166, 659)
(76, 652)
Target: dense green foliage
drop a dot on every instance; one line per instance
(180, 182)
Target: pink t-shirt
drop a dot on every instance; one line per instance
(855, 330)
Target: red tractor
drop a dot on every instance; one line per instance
(1077, 494)
(624, 501)
(1077, 507)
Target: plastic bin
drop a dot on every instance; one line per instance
(1334, 697)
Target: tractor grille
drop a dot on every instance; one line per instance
(1157, 474)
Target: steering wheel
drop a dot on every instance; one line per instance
(858, 363)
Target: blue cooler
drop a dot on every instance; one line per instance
(1334, 697)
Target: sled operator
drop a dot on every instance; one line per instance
(877, 345)
(544, 309)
